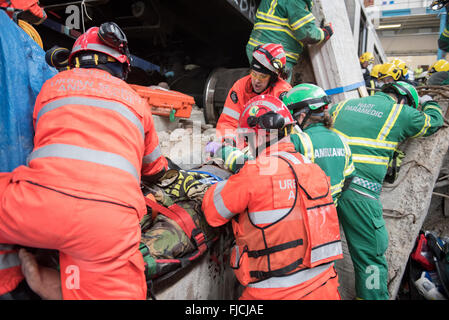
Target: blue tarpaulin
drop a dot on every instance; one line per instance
(23, 71)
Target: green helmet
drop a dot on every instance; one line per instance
(402, 88)
(306, 98)
(305, 95)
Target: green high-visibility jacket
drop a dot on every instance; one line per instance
(374, 126)
(443, 41)
(288, 22)
(328, 150)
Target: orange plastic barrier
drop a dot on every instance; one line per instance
(166, 102)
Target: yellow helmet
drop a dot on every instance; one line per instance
(440, 65)
(389, 70)
(401, 65)
(375, 71)
(367, 57)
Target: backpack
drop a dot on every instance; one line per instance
(429, 259)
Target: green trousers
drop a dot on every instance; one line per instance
(367, 239)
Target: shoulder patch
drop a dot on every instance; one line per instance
(282, 95)
(234, 97)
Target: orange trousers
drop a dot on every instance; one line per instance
(98, 241)
(322, 287)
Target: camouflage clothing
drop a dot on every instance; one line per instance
(164, 244)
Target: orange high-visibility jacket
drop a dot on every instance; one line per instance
(32, 6)
(240, 93)
(93, 134)
(285, 234)
(10, 272)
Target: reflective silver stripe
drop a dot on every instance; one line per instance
(326, 251)
(218, 201)
(99, 47)
(273, 5)
(76, 48)
(153, 156)
(237, 256)
(9, 260)
(269, 216)
(369, 159)
(261, 103)
(232, 113)
(110, 105)
(371, 143)
(68, 151)
(290, 157)
(308, 146)
(292, 280)
(271, 18)
(392, 117)
(275, 27)
(262, 58)
(299, 23)
(424, 128)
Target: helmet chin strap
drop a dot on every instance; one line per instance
(304, 121)
(281, 134)
(115, 69)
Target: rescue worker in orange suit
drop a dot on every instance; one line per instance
(282, 251)
(80, 190)
(266, 72)
(18, 134)
(28, 10)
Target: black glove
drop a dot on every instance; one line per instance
(328, 31)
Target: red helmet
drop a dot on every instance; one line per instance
(91, 40)
(271, 56)
(265, 112)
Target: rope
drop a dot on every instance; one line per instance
(29, 29)
(400, 214)
(441, 194)
(416, 164)
(84, 10)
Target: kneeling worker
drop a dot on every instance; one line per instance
(80, 191)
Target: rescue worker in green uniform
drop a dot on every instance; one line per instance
(443, 40)
(290, 23)
(373, 127)
(308, 104)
